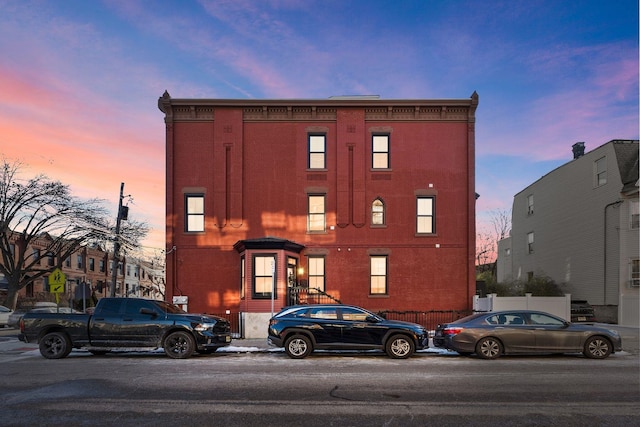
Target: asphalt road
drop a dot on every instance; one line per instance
(251, 385)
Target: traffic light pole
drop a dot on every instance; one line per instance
(116, 245)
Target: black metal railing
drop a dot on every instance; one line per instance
(302, 295)
(428, 319)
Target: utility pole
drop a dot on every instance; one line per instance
(116, 244)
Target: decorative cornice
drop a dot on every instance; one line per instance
(256, 110)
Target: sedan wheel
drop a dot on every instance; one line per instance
(298, 346)
(179, 345)
(489, 348)
(400, 347)
(597, 348)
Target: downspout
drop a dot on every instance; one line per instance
(616, 203)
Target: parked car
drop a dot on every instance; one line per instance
(490, 335)
(4, 316)
(303, 329)
(126, 323)
(582, 311)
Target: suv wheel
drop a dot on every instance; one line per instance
(298, 346)
(400, 347)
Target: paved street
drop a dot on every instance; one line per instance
(252, 385)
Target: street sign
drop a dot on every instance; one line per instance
(57, 280)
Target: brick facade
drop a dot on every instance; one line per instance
(339, 211)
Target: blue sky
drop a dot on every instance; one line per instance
(80, 79)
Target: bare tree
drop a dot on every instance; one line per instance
(43, 211)
(487, 240)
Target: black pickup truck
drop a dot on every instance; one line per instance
(126, 323)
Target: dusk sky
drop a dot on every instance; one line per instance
(80, 79)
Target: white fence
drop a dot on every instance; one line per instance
(560, 306)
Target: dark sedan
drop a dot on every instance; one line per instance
(303, 329)
(490, 335)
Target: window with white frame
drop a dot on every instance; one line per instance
(194, 213)
(378, 278)
(530, 204)
(380, 152)
(377, 212)
(316, 218)
(317, 151)
(530, 242)
(316, 272)
(600, 171)
(242, 278)
(425, 215)
(263, 275)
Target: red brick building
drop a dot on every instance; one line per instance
(369, 200)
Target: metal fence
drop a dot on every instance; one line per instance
(297, 295)
(428, 319)
(235, 321)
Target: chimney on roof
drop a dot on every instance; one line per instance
(578, 149)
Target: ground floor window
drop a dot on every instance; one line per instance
(264, 275)
(378, 281)
(316, 272)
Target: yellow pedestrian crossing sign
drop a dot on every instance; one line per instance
(57, 280)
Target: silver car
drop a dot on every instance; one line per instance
(490, 335)
(4, 316)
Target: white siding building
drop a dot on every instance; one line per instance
(579, 226)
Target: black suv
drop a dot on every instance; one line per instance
(582, 311)
(303, 329)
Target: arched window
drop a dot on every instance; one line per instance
(377, 212)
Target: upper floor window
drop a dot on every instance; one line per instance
(530, 204)
(634, 214)
(600, 170)
(425, 215)
(377, 212)
(67, 262)
(380, 152)
(378, 278)
(194, 207)
(79, 262)
(101, 266)
(316, 272)
(36, 256)
(530, 242)
(50, 259)
(92, 264)
(317, 151)
(316, 219)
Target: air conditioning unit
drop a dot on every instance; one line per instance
(634, 283)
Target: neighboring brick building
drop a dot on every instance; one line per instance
(370, 200)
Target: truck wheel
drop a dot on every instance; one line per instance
(179, 345)
(55, 345)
